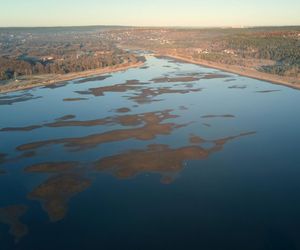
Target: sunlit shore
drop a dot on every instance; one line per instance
(45, 80)
(291, 82)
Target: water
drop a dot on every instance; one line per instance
(167, 156)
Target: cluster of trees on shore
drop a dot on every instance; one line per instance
(23, 54)
(13, 68)
(284, 50)
(277, 48)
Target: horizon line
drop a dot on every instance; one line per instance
(154, 26)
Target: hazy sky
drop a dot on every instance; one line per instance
(149, 12)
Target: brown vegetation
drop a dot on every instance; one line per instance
(55, 193)
(51, 167)
(159, 159)
(217, 116)
(11, 216)
(152, 127)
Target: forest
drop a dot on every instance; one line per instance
(29, 52)
(25, 53)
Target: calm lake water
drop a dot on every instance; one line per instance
(167, 156)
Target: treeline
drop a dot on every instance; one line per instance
(285, 51)
(219, 57)
(282, 69)
(24, 54)
(13, 68)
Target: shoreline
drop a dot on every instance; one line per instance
(55, 79)
(240, 70)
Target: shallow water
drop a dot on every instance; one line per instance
(167, 156)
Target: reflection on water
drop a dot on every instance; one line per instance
(267, 91)
(214, 76)
(218, 116)
(237, 87)
(56, 85)
(91, 79)
(66, 117)
(230, 80)
(175, 79)
(11, 99)
(190, 128)
(74, 99)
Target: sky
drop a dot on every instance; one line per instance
(199, 13)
